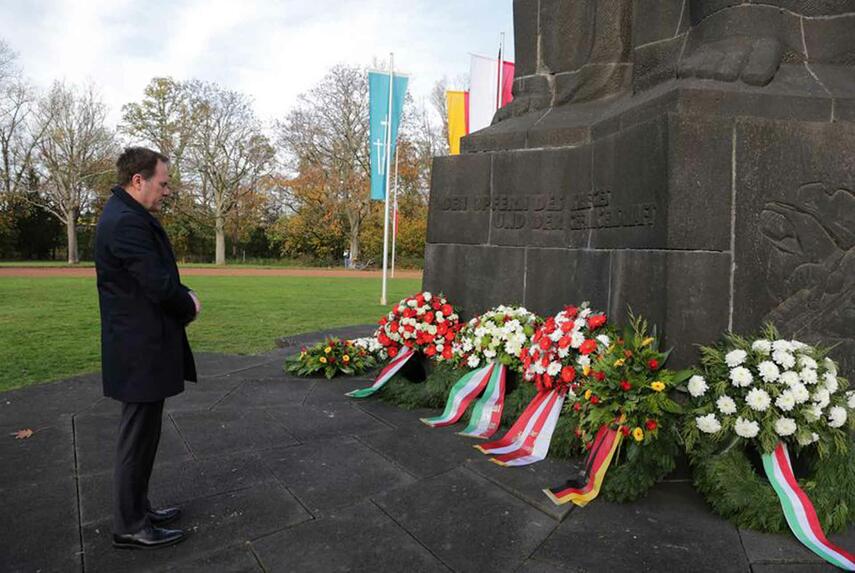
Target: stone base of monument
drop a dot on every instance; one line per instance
(703, 206)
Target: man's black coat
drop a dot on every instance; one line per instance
(145, 356)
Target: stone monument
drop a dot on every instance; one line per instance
(691, 159)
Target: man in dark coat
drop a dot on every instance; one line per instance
(145, 356)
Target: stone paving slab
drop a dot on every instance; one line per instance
(334, 474)
(357, 538)
(669, 530)
(467, 522)
(214, 522)
(46, 455)
(262, 393)
(767, 549)
(421, 453)
(222, 432)
(43, 403)
(236, 559)
(308, 423)
(216, 364)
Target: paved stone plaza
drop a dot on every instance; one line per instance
(276, 473)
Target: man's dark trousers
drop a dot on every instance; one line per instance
(139, 435)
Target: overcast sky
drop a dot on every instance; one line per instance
(272, 50)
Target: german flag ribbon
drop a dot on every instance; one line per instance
(385, 375)
(799, 511)
(605, 444)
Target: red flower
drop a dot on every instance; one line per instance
(544, 361)
(625, 385)
(564, 342)
(578, 432)
(596, 321)
(651, 425)
(599, 375)
(409, 313)
(548, 380)
(567, 327)
(442, 328)
(430, 350)
(429, 317)
(447, 353)
(394, 326)
(392, 351)
(449, 336)
(420, 299)
(571, 311)
(577, 406)
(627, 354)
(545, 343)
(653, 364)
(568, 374)
(594, 400)
(624, 430)
(588, 346)
(589, 445)
(447, 310)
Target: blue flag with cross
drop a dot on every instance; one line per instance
(382, 153)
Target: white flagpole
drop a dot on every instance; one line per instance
(501, 70)
(395, 213)
(386, 160)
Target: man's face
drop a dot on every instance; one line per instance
(153, 191)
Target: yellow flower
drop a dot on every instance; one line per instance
(323, 359)
(638, 434)
(620, 362)
(327, 350)
(345, 358)
(586, 370)
(588, 394)
(647, 341)
(302, 355)
(658, 386)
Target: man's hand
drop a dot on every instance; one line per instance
(196, 301)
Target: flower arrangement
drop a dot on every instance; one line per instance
(626, 388)
(423, 322)
(749, 396)
(497, 335)
(372, 346)
(331, 357)
(563, 347)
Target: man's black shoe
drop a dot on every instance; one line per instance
(150, 538)
(159, 517)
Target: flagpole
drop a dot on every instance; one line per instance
(501, 70)
(387, 162)
(395, 213)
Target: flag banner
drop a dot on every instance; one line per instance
(483, 84)
(487, 413)
(457, 104)
(534, 447)
(799, 511)
(386, 374)
(599, 460)
(378, 96)
(461, 395)
(507, 83)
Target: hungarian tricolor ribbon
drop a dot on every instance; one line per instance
(528, 439)
(487, 413)
(462, 394)
(603, 450)
(799, 511)
(385, 375)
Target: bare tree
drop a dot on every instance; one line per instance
(229, 152)
(74, 150)
(329, 130)
(439, 101)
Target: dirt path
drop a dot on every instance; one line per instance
(212, 272)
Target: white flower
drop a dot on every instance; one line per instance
(427, 296)
(585, 313)
(708, 424)
(821, 398)
(768, 371)
(604, 340)
(489, 353)
(850, 397)
(741, 377)
(812, 413)
(583, 361)
(758, 400)
(808, 376)
(697, 386)
(789, 378)
(554, 368)
(830, 365)
(746, 428)
(831, 383)
(797, 345)
(762, 346)
(782, 345)
(473, 361)
(784, 358)
(786, 401)
(807, 439)
(576, 339)
(836, 416)
(785, 426)
(726, 405)
(807, 362)
(735, 357)
(800, 393)
(411, 303)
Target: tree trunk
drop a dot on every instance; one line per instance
(220, 226)
(71, 231)
(354, 241)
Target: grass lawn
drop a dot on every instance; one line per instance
(50, 329)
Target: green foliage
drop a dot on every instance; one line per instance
(733, 487)
(330, 358)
